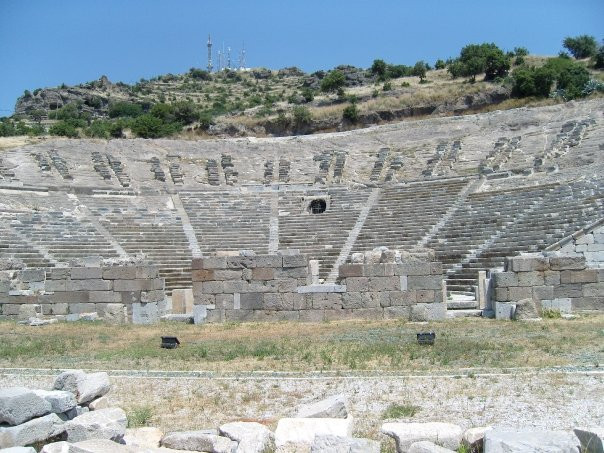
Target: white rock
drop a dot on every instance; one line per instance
(332, 407)
(251, 437)
(75, 412)
(425, 446)
(592, 439)
(101, 446)
(198, 441)
(405, 434)
(505, 440)
(35, 430)
(18, 404)
(85, 387)
(101, 424)
(304, 430)
(146, 437)
(18, 450)
(474, 437)
(334, 444)
(57, 447)
(99, 403)
(60, 400)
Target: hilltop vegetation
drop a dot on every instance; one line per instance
(288, 101)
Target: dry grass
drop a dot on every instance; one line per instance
(351, 345)
(7, 143)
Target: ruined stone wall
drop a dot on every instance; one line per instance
(278, 287)
(588, 243)
(115, 293)
(558, 282)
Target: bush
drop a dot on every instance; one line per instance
(387, 87)
(440, 64)
(185, 112)
(150, 126)
(379, 68)
(205, 120)
(599, 58)
(333, 81)
(351, 113)
(98, 129)
(521, 51)
(477, 58)
(570, 77)
(583, 46)
(308, 94)
(301, 117)
(63, 129)
(125, 109)
(400, 70)
(419, 70)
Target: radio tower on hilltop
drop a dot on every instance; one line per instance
(209, 54)
(242, 57)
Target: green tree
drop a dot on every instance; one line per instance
(440, 64)
(521, 51)
(301, 117)
(185, 112)
(487, 57)
(199, 74)
(581, 46)
(124, 109)
(379, 68)
(419, 70)
(148, 126)
(63, 129)
(599, 58)
(333, 81)
(351, 113)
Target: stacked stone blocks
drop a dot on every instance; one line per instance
(553, 281)
(279, 287)
(112, 292)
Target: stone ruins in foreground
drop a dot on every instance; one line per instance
(497, 214)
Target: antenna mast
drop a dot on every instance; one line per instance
(242, 57)
(229, 57)
(209, 54)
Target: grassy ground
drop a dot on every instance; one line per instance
(345, 346)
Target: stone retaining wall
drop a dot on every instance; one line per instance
(558, 282)
(588, 243)
(114, 293)
(279, 287)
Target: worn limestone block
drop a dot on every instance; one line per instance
(35, 430)
(558, 263)
(428, 312)
(520, 292)
(425, 446)
(593, 289)
(533, 278)
(526, 310)
(351, 270)
(401, 312)
(551, 278)
(413, 268)
(145, 313)
(335, 444)
(302, 431)
(568, 290)
(82, 273)
(18, 404)
(104, 297)
(200, 314)
(563, 305)
(424, 282)
(85, 386)
(182, 301)
(27, 311)
(504, 440)
(277, 301)
(384, 284)
(251, 437)
(60, 400)
(32, 275)
(543, 292)
(474, 437)
(143, 438)
(447, 435)
(326, 301)
(427, 296)
(338, 314)
(202, 440)
(119, 272)
(331, 407)
(294, 261)
(504, 310)
(99, 424)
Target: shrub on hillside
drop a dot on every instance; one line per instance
(301, 117)
(475, 59)
(583, 46)
(150, 126)
(63, 129)
(124, 109)
(351, 113)
(599, 58)
(440, 64)
(333, 81)
(419, 70)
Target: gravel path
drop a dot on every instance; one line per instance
(551, 399)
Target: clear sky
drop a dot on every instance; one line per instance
(48, 42)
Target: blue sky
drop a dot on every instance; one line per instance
(48, 42)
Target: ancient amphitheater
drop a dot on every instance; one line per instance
(475, 189)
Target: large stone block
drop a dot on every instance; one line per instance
(145, 313)
(413, 268)
(397, 312)
(291, 272)
(182, 301)
(505, 279)
(33, 431)
(89, 285)
(384, 284)
(331, 407)
(83, 273)
(425, 446)
(504, 310)
(18, 404)
(227, 274)
(424, 282)
(533, 278)
(104, 297)
(568, 290)
(405, 434)
(277, 301)
(426, 296)
(251, 301)
(551, 278)
(357, 284)
(559, 263)
(302, 431)
(32, 275)
(351, 270)
(85, 386)
(563, 305)
(588, 303)
(100, 424)
(504, 440)
(202, 275)
(312, 315)
(326, 301)
(335, 444)
(198, 441)
(119, 272)
(520, 292)
(251, 437)
(294, 261)
(502, 294)
(60, 400)
(593, 289)
(543, 292)
(428, 312)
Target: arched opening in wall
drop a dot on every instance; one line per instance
(317, 206)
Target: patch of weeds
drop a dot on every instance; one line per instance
(400, 411)
(550, 313)
(140, 416)
(464, 448)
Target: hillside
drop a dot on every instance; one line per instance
(262, 102)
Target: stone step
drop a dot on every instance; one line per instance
(461, 304)
(464, 314)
